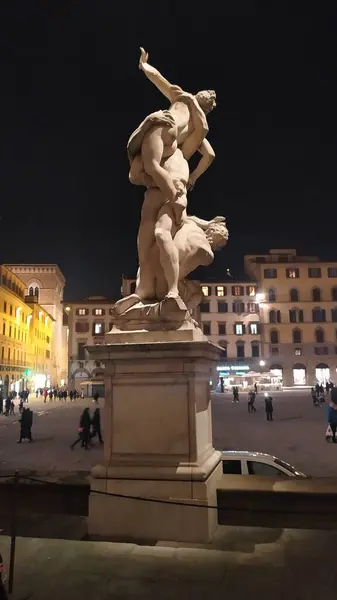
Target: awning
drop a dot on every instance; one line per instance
(92, 382)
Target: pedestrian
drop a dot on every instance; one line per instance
(65, 394)
(222, 386)
(7, 405)
(45, 394)
(327, 387)
(26, 423)
(1, 403)
(314, 396)
(96, 425)
(21, 405)
(71, 395)
(255, 387)
(269, 407)
(83, 431)
(12, 409)
(55, 393)
(82, 394)
(96, 396)
(251, 401)
(37, 392)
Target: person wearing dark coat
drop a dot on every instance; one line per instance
(96, 425)
(83, 431)
(26, 423)
(269, 407)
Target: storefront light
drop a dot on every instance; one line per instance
(262, 363)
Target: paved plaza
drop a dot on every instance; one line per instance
(55, 427)
(296, 435)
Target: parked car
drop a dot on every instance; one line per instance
(236, 462)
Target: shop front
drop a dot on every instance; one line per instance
(243, 375)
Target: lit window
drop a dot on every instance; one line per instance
(238, 328)
(251, 290)
(206, 290)
(253, 328)
(81, 311)
(292, 273)
(98, 328)
(298, 351)
(220, 290)
(238, 290)
(98, 311)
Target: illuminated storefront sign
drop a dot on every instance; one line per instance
(233, 368)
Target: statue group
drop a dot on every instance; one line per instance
(171, 243)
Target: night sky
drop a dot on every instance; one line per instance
(71, 94)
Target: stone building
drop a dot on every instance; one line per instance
(46, 283)
(88, 322)
(298, 315)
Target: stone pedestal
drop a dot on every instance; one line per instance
(157, 439)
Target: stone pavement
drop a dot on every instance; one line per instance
(254, 564)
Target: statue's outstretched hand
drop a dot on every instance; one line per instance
(218, 220)
(144, 57)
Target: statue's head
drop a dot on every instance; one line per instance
(207, 100)
(217, 235)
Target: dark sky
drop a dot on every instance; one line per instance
(71, 94)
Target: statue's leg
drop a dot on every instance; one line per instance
(152, 204)
(168, 252)
(152, 155)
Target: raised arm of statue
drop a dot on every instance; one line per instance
(164, 86)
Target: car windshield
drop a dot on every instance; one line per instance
(285, 465)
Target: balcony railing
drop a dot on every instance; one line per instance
(8, 362)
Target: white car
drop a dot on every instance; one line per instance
(236, 462)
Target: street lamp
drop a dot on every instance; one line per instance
(262, 363)
(260, 297)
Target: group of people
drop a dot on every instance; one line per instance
(320, 392)
(88, 429)
(61, 394)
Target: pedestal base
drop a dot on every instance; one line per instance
(157, 439)
(124, 520)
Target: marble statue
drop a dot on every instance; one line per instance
(171, 244)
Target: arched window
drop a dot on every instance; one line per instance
(334, 293)
(36, 292)
(255, 349)
(275, 316)
(334, 315)
(316, 295)
(296, 315)
(318, 315)
(319, 336)
(271, 295)
(294, 295)
(31, 291)
(297, 336)
(274, 337)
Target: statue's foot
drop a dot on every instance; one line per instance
(172, 294)
(125, 303)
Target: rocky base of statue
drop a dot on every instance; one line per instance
(170, 314)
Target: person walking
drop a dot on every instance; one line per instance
(12, 409)
(83, 431)
(50, 395)
(26, 423)
(82, 394)
(332, 414)
(96, 425)
(269, 407)
(255, 387)
(7, 405)
(71, 395)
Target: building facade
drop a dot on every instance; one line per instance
(22, 322)
(88, 321)
(47, 282)
(298, 315)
